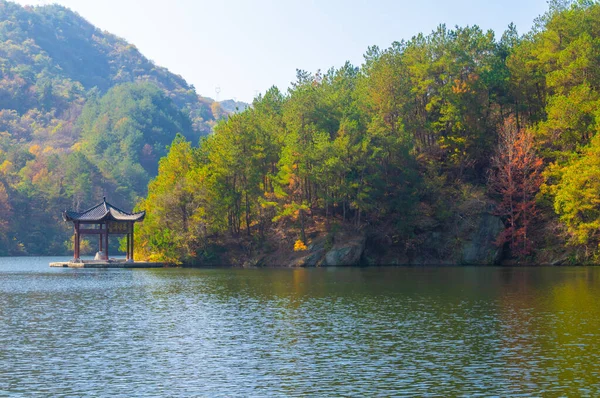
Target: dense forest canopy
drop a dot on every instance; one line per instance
(82, 115)
(127, 130)
(409, 145)
(410, 148)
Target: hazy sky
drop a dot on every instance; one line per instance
(246, 46)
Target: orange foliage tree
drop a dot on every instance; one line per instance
(515, 178)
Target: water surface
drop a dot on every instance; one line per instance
(303, 332)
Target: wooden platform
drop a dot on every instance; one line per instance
(107, 264)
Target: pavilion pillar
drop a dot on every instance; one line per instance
(132, 240)
(106, 242)
(100, 236)
(76, 242)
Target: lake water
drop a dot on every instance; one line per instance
(298, 332)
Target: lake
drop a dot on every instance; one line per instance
(398, 331)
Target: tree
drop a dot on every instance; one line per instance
(516, 178)
(576, 198)
(174, 225)
(127, 131)
(5, 216)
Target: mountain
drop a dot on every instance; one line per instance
(51, 57)
(83, 114)
(233, 106)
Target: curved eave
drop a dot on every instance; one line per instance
(135, 217)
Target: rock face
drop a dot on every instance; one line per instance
(347, 252)
(310, 259)
(479, 248)
(467, 238)
(478, 234)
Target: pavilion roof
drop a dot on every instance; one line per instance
(103, 212)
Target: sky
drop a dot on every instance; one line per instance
(243, 47)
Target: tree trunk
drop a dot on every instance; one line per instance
(247, 214)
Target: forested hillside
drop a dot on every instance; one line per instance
(417, 150)
(232, 106)
(82, 115)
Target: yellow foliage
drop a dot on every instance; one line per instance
(462, 87)
(40, 176)
(459, 87)
(76, 147)
(35, 149)
(48, 149)
(6, 167)
(299, 246)
(56, 129)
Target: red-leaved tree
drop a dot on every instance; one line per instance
(516, 176)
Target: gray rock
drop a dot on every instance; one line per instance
(314, 259)
(309, 258)
(347, 252)
(560, 261)
(480, 246)
(316, 246)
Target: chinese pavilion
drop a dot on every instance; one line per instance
(103, 220)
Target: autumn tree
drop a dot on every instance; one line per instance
(516, 178)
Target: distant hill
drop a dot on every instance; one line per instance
(231, 106)
(51, 57)
(83, 114)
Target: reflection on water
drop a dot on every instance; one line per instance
(367, 331)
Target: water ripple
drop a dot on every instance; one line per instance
(343, 332)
